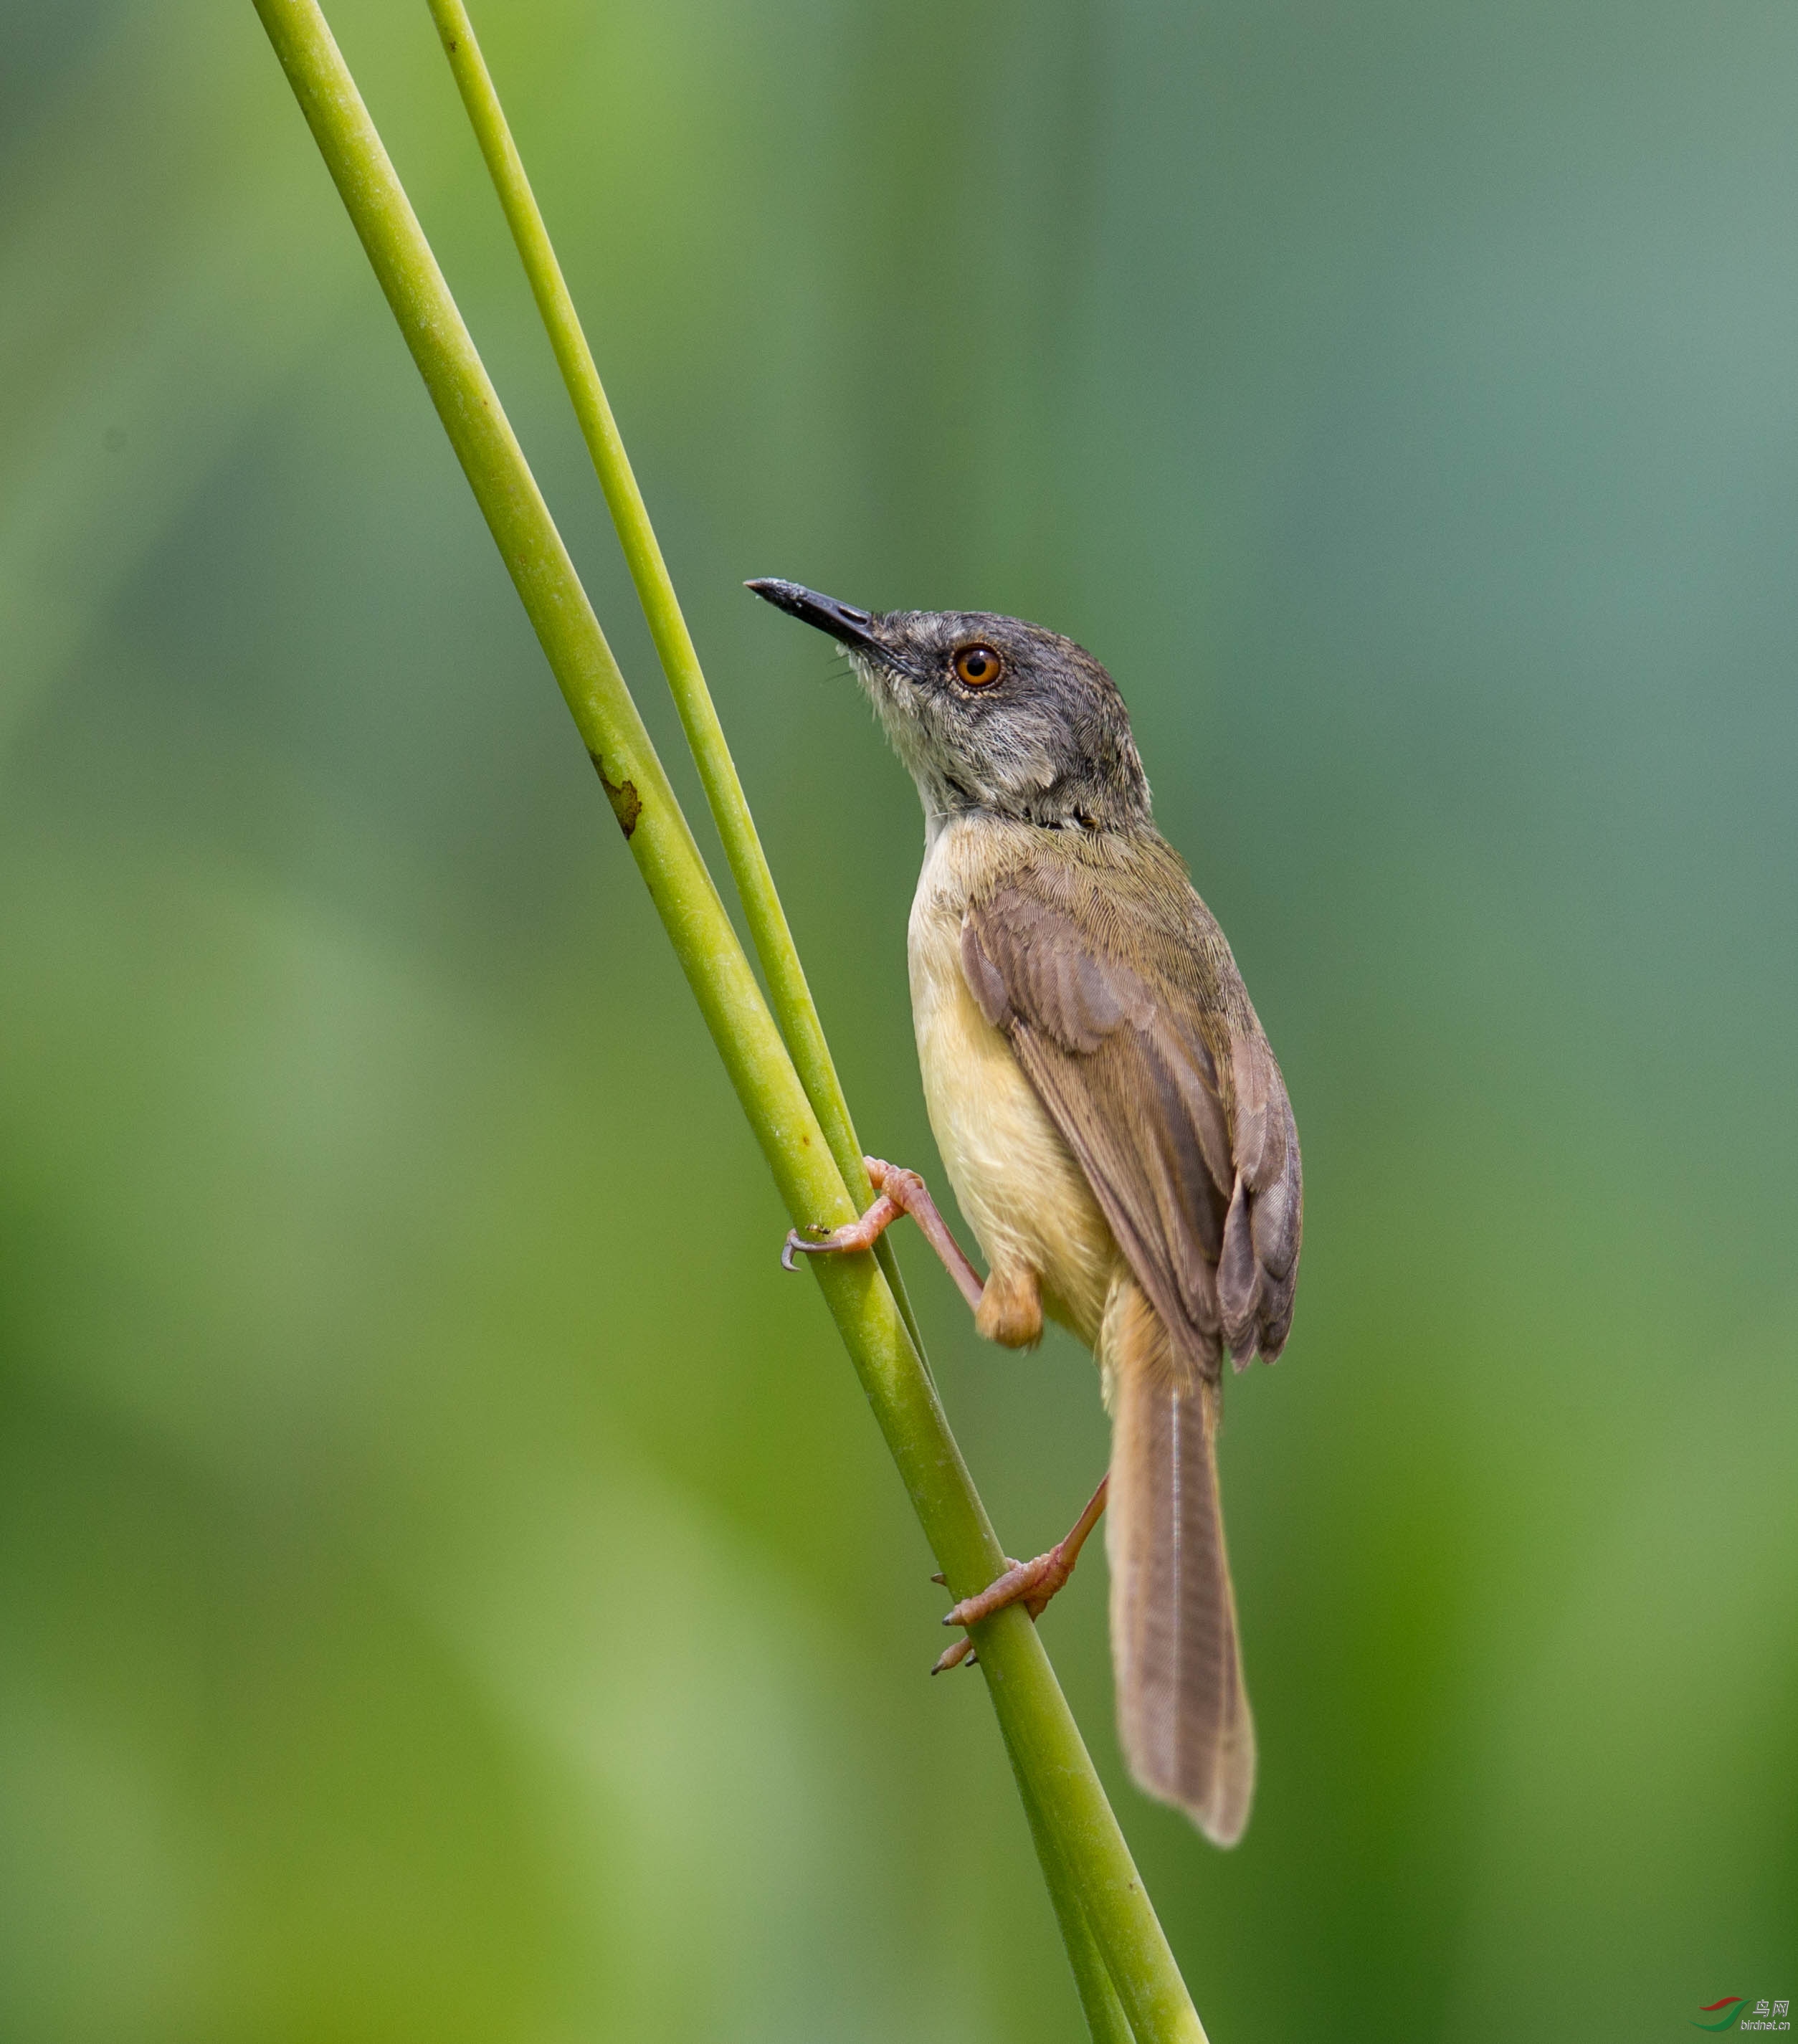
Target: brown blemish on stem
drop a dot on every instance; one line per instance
(626, 806)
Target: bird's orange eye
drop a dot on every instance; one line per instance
(979, 666)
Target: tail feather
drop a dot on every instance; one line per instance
(1183, 1714)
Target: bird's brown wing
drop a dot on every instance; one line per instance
(1124, 1009)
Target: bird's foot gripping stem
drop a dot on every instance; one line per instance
(900, 1192)
(1031, 1584)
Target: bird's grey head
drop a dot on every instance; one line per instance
(991, 715)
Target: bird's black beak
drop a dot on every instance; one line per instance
(842, 621)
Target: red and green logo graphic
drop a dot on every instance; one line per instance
(1734, 2008)
(1725, 2012)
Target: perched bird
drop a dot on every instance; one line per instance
(1114, 1124)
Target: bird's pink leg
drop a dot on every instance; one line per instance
(902, 1192)
(1031, 1584)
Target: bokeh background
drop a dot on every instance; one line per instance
(450, 1586)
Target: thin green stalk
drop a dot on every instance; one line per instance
(788, 989)
(1038, 1726)
(1105, 2015)
(790, 993)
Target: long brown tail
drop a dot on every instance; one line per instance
(1182, 1712)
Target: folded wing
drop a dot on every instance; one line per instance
(1158, 1078)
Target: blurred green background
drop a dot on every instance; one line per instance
(450, 1585)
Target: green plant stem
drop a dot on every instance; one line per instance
(789, 993)
(1105, 2015)
(1038, 1729)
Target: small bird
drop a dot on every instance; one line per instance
(1113, 1123)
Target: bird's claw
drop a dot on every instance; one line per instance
(951, 1657)
(961, 1654)
(796, 1243)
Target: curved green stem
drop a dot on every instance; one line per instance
(1105, 2015)
(1045, 1744)
(790, 991)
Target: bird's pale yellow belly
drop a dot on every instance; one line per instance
(1023, 1195)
